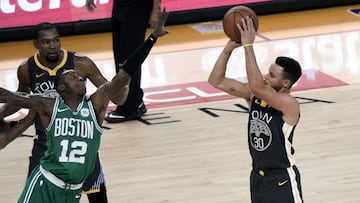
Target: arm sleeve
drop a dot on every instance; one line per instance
(133, 62)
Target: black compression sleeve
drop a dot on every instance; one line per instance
(135, 60)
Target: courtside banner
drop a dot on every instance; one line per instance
(20, 13)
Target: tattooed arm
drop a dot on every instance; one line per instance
(218, 79)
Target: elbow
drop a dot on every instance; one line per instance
(210, 81)
(213, 82)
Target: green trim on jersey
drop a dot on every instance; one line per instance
(72, 140)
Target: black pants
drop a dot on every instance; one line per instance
(276, 185)
(129, 26)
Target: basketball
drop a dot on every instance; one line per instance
(234, 16)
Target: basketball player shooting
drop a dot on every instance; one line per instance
(273, 117)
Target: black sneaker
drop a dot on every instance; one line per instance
(116, 117)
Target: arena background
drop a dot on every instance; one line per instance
(72, 18)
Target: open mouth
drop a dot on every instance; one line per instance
(53, 54)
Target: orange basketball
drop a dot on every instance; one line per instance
(234, 16)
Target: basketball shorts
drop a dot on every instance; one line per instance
(91, 184)
(41, 188)
(275, 185)
(95, 179)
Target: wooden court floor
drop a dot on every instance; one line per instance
(191, 146)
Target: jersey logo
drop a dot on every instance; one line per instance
(282, 183)
(260, 102)
(355, 11)
(61, 110)
(39, 75)
(260, 135)
(85, 112)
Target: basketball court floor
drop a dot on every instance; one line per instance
(191, 146)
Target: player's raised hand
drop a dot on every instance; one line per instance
(154, 14)
(247, 31)
(231, 45)
(159, 27)
(90, 5)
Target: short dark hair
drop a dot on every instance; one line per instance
(60, 76)
(41, 27)
(292, 68)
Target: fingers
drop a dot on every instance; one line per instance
(164, 14)
(163, 17)
(247, 30)
(91, 7)
(159, 29)
(247, 24)
(239, 27)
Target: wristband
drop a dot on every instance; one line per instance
(152, 37)
(227, 52)
(247, 45)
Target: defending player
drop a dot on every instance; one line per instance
(73, 127)
(37, 75)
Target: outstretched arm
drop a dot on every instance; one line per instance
(9, 131)
(256, 81)
(140, 54)
(19, 99)
(40, 104)
(23, 77)
(101, 97)
(218, 79)
(285, 103)
(155, 13)
(87, 68)
(90, 5)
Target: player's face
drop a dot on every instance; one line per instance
(48, 45)
(75, 83)
(274, 77)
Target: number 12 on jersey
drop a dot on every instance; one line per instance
(73, 153)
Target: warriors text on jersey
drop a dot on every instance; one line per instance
(269, 137)
(73, 140)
